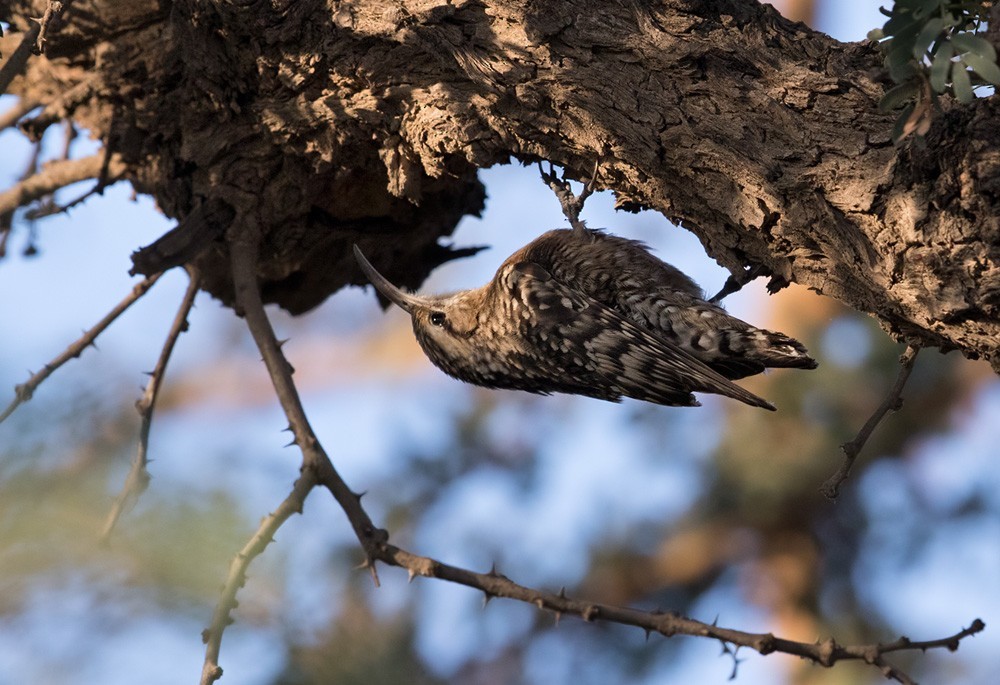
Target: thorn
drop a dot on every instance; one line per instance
(562, 592)
(288, 429)
(493, 571)
(487, 596)
(281, 343)
(293, 441)
(648, 632)
(410, 575)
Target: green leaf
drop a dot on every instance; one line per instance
(986, 68)
(941, 66)
(961, 83)
(932, 29)
(901, 23)
(898, 95)
(970, 42)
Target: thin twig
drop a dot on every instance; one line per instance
(237, 577)
(138, 476)
(19, 58)
(374, 541)
(53, 11)
(892, 402)
(60, 108)
(735, 283)
(24, 391)
(14, 114)
(54, 176)
(571, 203)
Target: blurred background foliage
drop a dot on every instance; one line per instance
(714, 512)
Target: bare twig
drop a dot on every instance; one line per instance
(24, 391)
(375, 544)
(237, 577)
(735, 283)
(19, 58)
(12, 115)
(571, 203)
(892, 402)
(53, 11)
(60, 108)
(138, 476)
(54, 176)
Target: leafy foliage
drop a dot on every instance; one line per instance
(933, 47)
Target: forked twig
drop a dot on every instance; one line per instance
(138, 476)
(24, 391)
(317, 469)
(892, 402)
(571, 203)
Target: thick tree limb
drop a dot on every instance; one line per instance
(758, 134)
(24, 391)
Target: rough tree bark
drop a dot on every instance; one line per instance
(332, 122)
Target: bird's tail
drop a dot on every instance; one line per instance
(745, 352)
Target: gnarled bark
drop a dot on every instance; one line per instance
(328, 123)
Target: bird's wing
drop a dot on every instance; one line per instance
(634, 362)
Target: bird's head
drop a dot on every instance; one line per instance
(445, 325)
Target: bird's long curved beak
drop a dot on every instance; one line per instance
(406, 301)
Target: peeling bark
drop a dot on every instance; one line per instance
(328, 123)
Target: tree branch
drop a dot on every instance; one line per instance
(19, 58)
(53, 12)
(237, 577)
(892, 402)
(56, 175)
(24, 391)
(14, 113)
(138, 477)
(374, 541)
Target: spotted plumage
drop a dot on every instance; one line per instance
(584, 312)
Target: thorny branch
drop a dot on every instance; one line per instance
(24, 391)
(138, 477)
(317, 469)
(892, 402)
(237, 577)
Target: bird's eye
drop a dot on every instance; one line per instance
(437, 318)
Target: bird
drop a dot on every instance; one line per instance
(586, 312)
